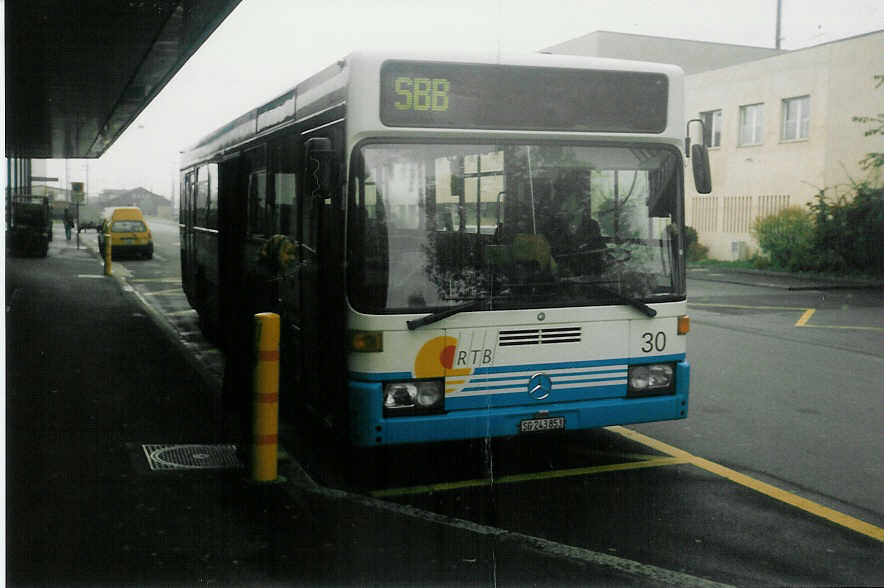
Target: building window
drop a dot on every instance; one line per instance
(796, 118)
(711, 128)
(751, 124)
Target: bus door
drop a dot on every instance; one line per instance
(301, 298)
(284, 182)
(306, 299)
(187, 243)
(231, 233)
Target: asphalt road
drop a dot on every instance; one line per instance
(795, 403)
(774, 479)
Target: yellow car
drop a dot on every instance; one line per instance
(128, 231)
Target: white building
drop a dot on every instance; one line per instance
(779, 124)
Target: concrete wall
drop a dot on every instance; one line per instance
(852, 93)
(752, 181)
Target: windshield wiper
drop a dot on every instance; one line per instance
(438, 316)
(638, 304)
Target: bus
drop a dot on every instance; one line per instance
(458, 246)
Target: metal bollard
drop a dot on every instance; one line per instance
(107, 254)
(265, 430)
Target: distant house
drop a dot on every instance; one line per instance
(109, 194)
(778, 123)
(151, 204)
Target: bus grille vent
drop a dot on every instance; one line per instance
(539, 336)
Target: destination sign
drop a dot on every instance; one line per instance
(485, 96)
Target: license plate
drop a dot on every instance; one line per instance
(128, 239)
(545, 424)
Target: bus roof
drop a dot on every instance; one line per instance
(328, 88)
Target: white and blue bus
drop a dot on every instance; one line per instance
(458, 246)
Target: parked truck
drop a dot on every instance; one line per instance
(29, 226)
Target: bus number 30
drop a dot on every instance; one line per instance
(422, 94)
(654, 341)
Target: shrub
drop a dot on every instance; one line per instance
(849, 233)
(787, 238)
(697, 252)
(693, 249)
(760, 262)
(690, 236)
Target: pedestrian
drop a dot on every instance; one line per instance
(68, 223)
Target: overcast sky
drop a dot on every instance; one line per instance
(267, 46)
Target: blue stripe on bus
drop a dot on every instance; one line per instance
(518, 368)
(576, 364)
(521, 398)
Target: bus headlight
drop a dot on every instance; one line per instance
(413, 397)
(648, 379)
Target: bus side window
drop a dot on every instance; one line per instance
(283, 188)
(202, 196)
(308, 204)
(191, 199)
(184, 207)
(182, 204)
(212, 205)
(257, 202)
(253, 172)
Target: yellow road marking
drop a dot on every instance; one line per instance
(804, 504)
(849, 327)
(805, 317)
(533, 476)
(802, 322)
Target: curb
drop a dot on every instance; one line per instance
(819, 282)
(302, 482)
(656, 576)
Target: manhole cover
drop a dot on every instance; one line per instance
(191, 457)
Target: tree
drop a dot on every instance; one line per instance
(875, 159)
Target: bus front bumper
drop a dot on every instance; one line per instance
(368, 426)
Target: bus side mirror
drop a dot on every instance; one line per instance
(700, 164)
(321, 167)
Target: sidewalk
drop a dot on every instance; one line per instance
(91, 380)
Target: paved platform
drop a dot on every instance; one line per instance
(91, 380)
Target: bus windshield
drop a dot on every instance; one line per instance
(434, 226)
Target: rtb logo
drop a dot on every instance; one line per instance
(474, 358)
(448, 356)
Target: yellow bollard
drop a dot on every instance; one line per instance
(107, 254)
(265, 430)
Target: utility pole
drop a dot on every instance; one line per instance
(779, 21)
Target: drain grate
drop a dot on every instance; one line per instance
(191, 457)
